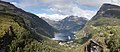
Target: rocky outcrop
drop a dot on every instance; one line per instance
(93, 46)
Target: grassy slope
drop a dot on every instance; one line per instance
(15, 37)
(101, 30)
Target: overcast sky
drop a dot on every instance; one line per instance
(59, 9)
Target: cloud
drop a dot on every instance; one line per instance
(93, 3)
(73, 10)
(55, 17)
(62, 7)
(61, 3)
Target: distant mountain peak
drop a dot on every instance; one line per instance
(72, 17)
(69, 24)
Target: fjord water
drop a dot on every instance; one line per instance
(64, 36)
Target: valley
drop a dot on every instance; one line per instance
(22, 31)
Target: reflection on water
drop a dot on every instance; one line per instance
(64, 36)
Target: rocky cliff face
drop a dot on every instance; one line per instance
(33, 22)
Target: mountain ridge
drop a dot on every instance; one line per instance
(30, 19)
(102, 31)
(106, 11)
(71, 23)
(21, 31)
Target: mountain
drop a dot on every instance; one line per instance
(108, 15)
(33, 22)
(101, 33)
(108, 10)
(70, 24)
(49, 21)
(21, 31)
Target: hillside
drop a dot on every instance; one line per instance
(33, 22)
(21, 31)
(101, 33)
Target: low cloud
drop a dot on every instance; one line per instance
(55, 17)
(93, 3)
(74, 10)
